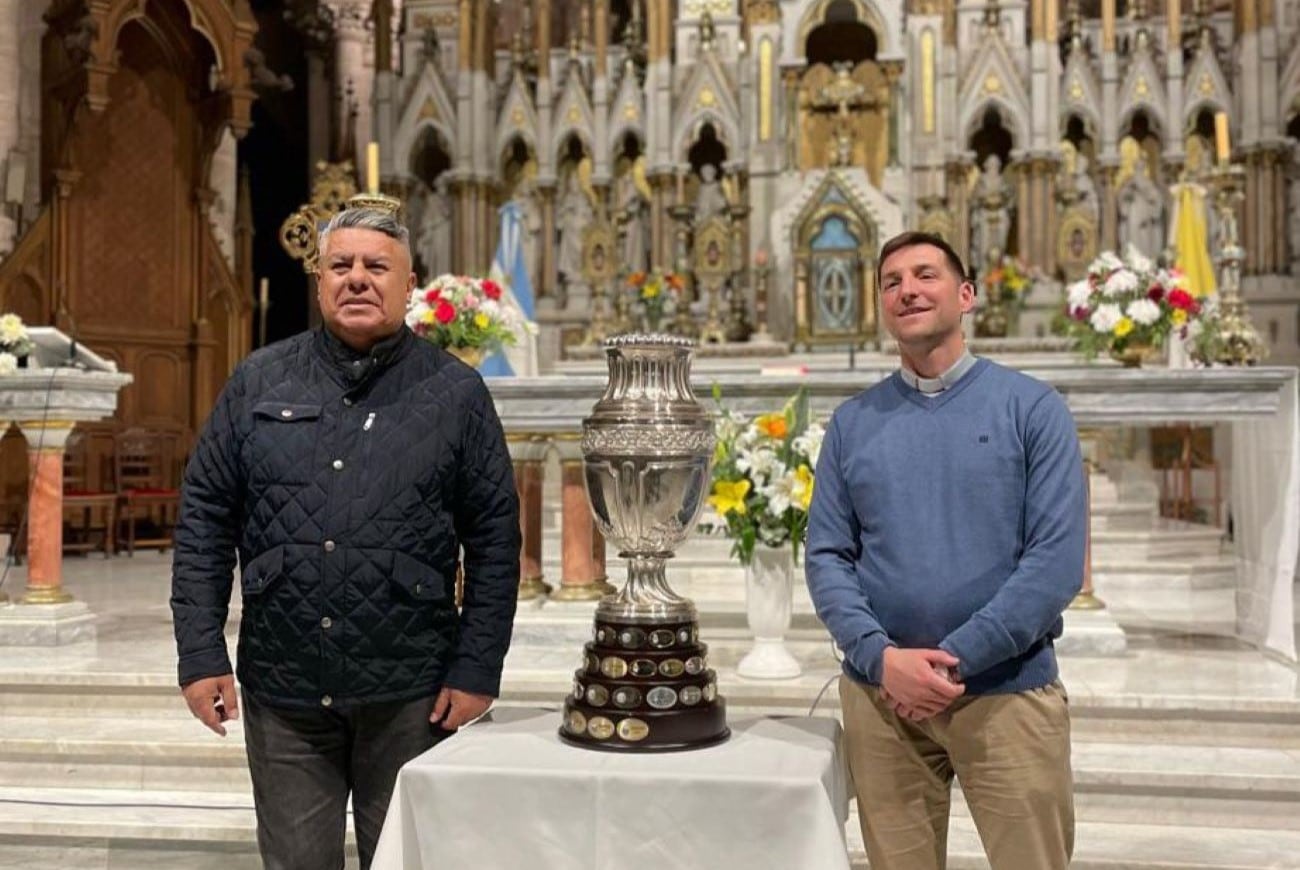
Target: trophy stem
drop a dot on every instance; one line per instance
(646, 596)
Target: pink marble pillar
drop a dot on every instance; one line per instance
(45, 442)
(527, 452)
(582, 578)
(1087, 599)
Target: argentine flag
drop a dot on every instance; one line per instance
(511, 272)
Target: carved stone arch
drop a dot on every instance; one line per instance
(562, 135)
(522, 136)
(1091, 121)
(1159, 127)
(508, 133)
(446, 137)
(619, 136)
(884, 19)
(1196, 106)
(1007, 113)
(689, 131)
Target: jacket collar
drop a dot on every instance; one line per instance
(355, 366)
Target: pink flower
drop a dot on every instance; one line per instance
(470, 301)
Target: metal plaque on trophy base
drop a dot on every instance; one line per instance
(645, 684)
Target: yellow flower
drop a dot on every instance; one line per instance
(729, 495)
(427, 317)
(651, 290)
(1179, 317)
(772, 425)
(1123, 328)
(803, 486)
(481, 320)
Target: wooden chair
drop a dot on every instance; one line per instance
(89, 512)
(148, 494)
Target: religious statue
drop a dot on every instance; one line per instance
(574, 213)
(1142, 211)
(634, 212)
(990, 211)
(530, 214)
(710, 200)
(433, 233)
(1075, 185)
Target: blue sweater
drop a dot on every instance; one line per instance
(956, 521)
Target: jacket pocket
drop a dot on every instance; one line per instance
(261, 572)
(286, 412)
(281, 446)
(417, 581)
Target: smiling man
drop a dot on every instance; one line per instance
(945, 538)
(347, 468)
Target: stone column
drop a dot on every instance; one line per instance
(528, 451)
(1109, 207)
(1087, 599)
(10, 82)
(45, 443)
(582, 577)
(350, 67)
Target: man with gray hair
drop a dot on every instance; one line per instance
(348, 468)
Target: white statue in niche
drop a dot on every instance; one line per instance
(1142, 211)
(633, 193)
(710, 200)
(572, 217)
(990, 211)
(433, 231)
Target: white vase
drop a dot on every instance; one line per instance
(769, 586)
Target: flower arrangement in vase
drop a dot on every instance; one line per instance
(656, 294)
(1127, 306)
(1004, 288)
(464, 315)
(15, 343)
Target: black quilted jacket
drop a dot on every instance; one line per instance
(348, 484)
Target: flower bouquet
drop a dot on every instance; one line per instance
(657, 294)
(763, 476)
(1004, 288)
(1128, 306)
(15, 343)
(465, 315)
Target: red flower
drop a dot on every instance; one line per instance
(445, 312)
(1155, 292)
(1080, 313)
(432, 296)
(1182, 299)
(490, 289)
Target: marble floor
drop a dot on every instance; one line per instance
(1187, 747)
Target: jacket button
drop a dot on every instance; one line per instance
(286, 413)
(326, 700)
(329, 546)
(337, 464)
(326, 622)
(347, 401)
(418, 588)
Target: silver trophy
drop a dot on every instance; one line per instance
(645, 684)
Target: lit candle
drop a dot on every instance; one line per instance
(1222, 150)
(264, 294)
(372, 167)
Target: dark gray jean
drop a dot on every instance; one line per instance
(305, 762)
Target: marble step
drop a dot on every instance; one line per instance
(1206, 572)
(108, 829)
(1131, 846)
(1203, 784)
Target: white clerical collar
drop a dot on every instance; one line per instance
(945, 381)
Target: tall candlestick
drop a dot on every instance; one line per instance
(372, 167)
(1222, 149)
(263, 293)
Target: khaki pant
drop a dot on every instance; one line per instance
(1011, 754)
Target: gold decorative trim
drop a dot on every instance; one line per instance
(45, 595)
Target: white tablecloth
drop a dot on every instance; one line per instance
(508, 793)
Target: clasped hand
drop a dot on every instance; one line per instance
(913, 685)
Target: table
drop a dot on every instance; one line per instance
(508, 793)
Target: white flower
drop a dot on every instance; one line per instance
(760, 463)
(1108, 262)
(1105, 317)
(1121, 281)
(1137, 261)
(8, 364)
(810, 442)
(779, 493)
(1143, 312)
(1079, 295)
(12, 330)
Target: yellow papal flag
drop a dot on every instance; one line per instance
(1192, 242)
